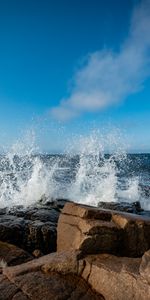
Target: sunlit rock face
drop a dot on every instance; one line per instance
(100, 254)
(93, 230)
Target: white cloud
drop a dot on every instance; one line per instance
(108, 77)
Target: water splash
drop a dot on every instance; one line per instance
(87, 176)
(24, 178)
(95, 178)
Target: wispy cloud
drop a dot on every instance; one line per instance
(108, 77)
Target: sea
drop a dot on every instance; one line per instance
(85, 175)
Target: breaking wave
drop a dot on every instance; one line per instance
(85, 174)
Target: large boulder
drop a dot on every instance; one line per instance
(87, 229)
(94, 230)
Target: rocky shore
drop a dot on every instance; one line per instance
(62, 250)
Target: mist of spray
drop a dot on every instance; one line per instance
(26, 177)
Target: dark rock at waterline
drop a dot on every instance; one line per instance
(12, 255)
(134, 207)
(145, 190)
(35, 227)
(32, 227)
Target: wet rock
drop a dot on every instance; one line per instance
(45, 215)
(145, 190)
(32, 227)
(94, 230)
(134, 207)
(49, 237)
(13, 255)
(11, 229)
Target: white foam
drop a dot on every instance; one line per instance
(96, 176)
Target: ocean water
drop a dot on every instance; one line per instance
(87, 175)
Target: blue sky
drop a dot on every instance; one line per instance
(67, 67)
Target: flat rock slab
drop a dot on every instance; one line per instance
(51, 277)
(94, 230)
(68, 275)
(116, 278)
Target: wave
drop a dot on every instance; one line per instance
(85, 174)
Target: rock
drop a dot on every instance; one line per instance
(87, 229)
(13, 255)
(7, 289)
(68, 275)
(134, 207)
(54, 276)
(145, 266)
(32, 227)
(64, 262)
(11, 229)
(115, 277)
(136, 233)
(145, 190)
(54, 286)
(95, 230)
(45, 215)
(37, 253)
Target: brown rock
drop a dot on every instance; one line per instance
(91, 234)
(13, 255)
(116, 278)
(145, 266)
(37, 253)
(54, 286)
(7, 289)
(136, 236)
(20, 296)
(50, 277)
(94, 230)
(64, 262)
(87, 212)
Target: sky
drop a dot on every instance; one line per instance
(69, 66)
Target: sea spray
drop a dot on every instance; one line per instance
(85, 174)
(95, 178)
(24, 179)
